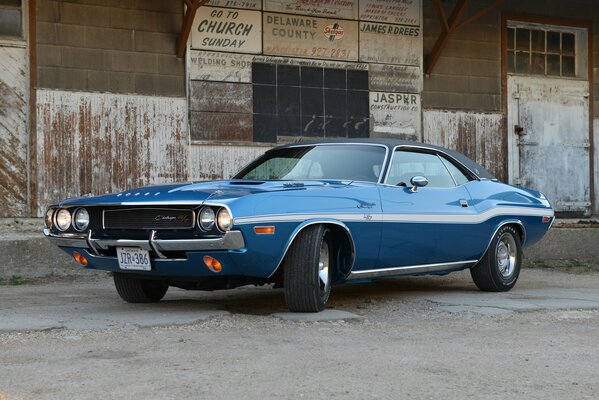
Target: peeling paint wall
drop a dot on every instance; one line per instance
(99, 143)
(14, 110)
(596, 165)
(477, 135)
(209, 162)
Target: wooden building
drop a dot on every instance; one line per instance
(104, 95)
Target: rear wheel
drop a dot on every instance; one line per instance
(136, 290)
(308, 270)
(500, 267)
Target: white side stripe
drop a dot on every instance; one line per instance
(429, 218)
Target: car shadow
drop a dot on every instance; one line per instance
(350, 297)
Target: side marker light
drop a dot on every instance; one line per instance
(264, 230)
(79, 258)
(213, 264)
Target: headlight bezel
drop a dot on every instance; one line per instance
(74, 219)
(56, 219)
(49, 218)
(221, 213)
(210, 226)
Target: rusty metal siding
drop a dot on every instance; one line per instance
(14, 83)
(209, 162)
(99, 143)
(477, 135)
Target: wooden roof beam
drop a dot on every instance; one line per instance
(449, 27)
(190, 13)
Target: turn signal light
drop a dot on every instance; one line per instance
(546, 220)
(79, 258)
(213, 264)
(264, 230)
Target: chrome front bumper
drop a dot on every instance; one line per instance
(231, 240)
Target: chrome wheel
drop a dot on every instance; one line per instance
(323, 266)
(506, 255)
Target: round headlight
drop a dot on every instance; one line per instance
(48, 219)
(63, 219)
(224, 220)
(206, 218)
(81, 219)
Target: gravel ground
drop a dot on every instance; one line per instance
(419, 338)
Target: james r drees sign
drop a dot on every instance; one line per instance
(222, 29)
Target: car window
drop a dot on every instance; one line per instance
(407, 164)
(323, 162)
(457, 174)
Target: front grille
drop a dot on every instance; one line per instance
(149, 218)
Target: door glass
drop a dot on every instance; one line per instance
(458, 175)
(407, 164)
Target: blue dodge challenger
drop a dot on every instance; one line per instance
(306, 216)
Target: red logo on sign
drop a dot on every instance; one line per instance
(333, 32)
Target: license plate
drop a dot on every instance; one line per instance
(133, 258)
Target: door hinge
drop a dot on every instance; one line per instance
(516, 95)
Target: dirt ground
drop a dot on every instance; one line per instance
(413, 338)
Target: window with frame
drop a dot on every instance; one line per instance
(296, 101)
(538, 51)
(11, 19)
(408, 164)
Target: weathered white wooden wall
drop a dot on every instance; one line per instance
(99, 143)
(14, 93)
(478, 135)
(208, 162)
(596, 165)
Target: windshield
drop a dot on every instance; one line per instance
(320, 162)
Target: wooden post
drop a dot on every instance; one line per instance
(190, 13)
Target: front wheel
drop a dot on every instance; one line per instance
(308, 270)
(136, 290)
(499, 268)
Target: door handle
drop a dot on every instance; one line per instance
(464, 203)
(366, 205)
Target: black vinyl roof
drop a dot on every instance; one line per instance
(391, 144)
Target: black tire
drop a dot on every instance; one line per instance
(491, 275)
(304, 289)
(136, 290)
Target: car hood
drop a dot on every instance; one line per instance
(195, 192)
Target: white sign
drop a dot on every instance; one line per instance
(395, 114)
(225, 29)
(229, 67)
(390, 44)
(395, 78)
(310, 37)
(406, 12)
(246, 4)
(347, 9)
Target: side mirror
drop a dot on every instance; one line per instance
(418, 181)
